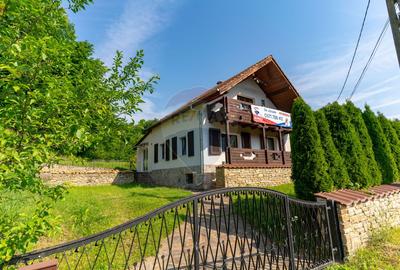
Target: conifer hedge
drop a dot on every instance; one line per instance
(336, 167)
(383, 154)
(348, 144)
(357, 120)
(392, 137)
(309, 167)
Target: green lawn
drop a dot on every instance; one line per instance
(285, 188)
(88, 210)
(383, 252)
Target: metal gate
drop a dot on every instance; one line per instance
(231, 228)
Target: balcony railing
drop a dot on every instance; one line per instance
(258, 157)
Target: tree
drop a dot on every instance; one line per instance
(309, 168)
(383, 154)
(54, 98)
(396, 125)
(391, 137)
(349, 146)
(336, 167)
(357, 120)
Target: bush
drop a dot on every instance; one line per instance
(381, 146)
(336, 168)
(349, 146)
(357, 120)
(392, 138)
(309, 168)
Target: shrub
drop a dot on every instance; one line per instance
(309, 168)
(383, 154)
(357, 120)
(336, 168)
(391, 137)
(349, 146)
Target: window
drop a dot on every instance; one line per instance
(162, 146)
(245, 99)
(145, 159)
(189, 178)
(174, 142)
(214, 136)
(263, 102)
(233, 141)
(183, 146)
(271, 144)
(167, 149)
(246, 140)
(155, 152)
(190, 136)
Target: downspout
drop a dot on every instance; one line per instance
(200, 119)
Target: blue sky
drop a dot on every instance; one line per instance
(194, 44)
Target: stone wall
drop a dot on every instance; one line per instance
(361, 214)
(177, 177)
(256, 176)
(84, 176)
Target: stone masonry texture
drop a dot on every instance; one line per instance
(255, 177)
(84, 176)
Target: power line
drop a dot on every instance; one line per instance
(377, 44)
(355, 50)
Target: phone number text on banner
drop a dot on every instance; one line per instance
(271, 116)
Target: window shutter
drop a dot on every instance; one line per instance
(167, 148)
(190, 143)
(214, 141)
(246, 141)
(155, 152)
(174, 142)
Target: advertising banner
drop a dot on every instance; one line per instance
(271, 116)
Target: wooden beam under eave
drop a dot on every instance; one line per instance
(279, 91)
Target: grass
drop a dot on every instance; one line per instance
(383, 252)
(88, 210)
(285, 188)
(98, 163)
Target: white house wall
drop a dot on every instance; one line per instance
(178, 126)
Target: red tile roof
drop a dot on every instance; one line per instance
(350, 197)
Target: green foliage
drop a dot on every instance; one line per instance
(309, 167)
(336, 168)
(392, 138)
(54, 98)
(383, 252)
(357, 120)
(120, 146)
(348, 144)
(381, 146)
(396, 125)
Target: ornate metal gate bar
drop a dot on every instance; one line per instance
(231, 228)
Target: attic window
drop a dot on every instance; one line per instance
(245, 99)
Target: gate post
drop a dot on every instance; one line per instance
(289, 233)
(196, 235)
(337, 243)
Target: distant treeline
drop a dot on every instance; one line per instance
(341, 146)
(118, 145)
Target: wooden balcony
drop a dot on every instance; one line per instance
(258, 157)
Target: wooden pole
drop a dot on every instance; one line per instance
(394, 24)
(281, 146)
(228, 142)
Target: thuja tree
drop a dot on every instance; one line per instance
(349, 146)
(309, 168)
(396, 125)
(54, 98)
(357, 120)
(336, 167)
(391, 137)
(383, 154)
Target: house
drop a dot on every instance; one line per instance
(236, 133)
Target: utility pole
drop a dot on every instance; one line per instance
(393, 7)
